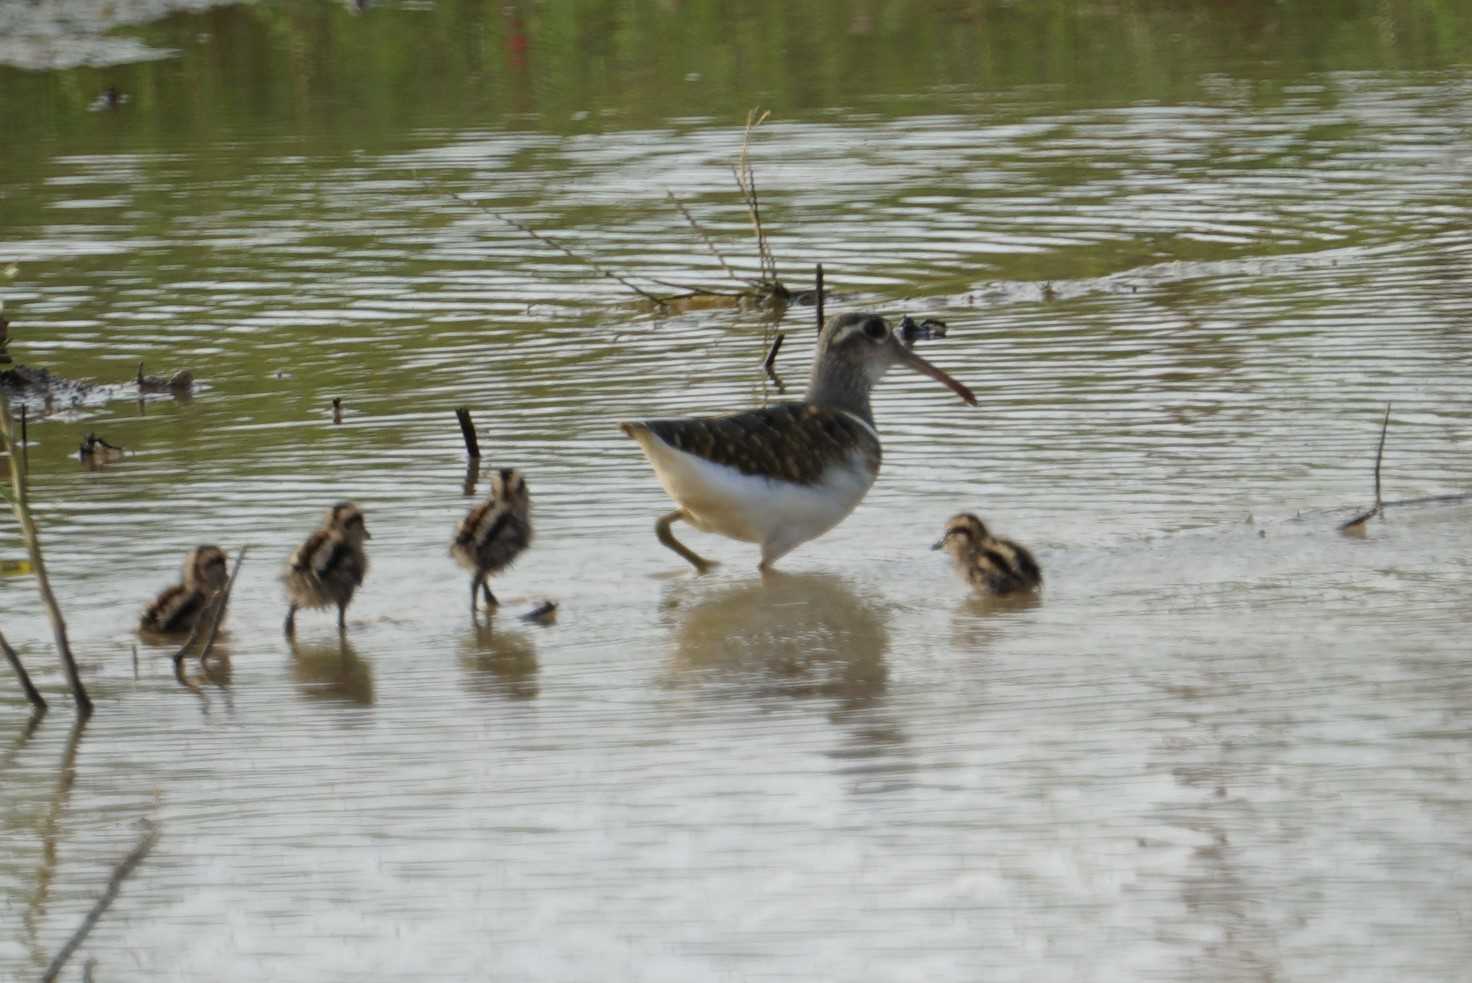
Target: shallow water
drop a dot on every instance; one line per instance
(1183, 276)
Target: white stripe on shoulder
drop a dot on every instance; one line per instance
(861, 422)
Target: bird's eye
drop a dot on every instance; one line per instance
(875, 329)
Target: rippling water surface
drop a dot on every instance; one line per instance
(1226, 742)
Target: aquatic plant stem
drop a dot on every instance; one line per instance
(34, 695)
(1379, 507)
(32, 538)
(705, 237)
(214, 614)
(467, 431)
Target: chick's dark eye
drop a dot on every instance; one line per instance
(875, 329)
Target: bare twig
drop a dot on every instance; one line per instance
(25, 443)
(693, 291)
(746, 181)
(705, 237)
(818, 276)
(771, 358)
(213, 614)
(1379, 507)
(121, 873)
(34, 695)
(467, 431)
(547, 240)
(38, 563)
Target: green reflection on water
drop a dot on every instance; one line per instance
(324, 77)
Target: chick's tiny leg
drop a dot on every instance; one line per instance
(291, 621)
(475, 585)
(662, 530)
(485, 588)
(342, 617)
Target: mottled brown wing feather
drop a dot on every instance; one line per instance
(793, 442)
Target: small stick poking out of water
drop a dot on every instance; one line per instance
(467, 430)
(1379, 502)
(818, 278)
(771, 359)
(543, 614)
(337, 409)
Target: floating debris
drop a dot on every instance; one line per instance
(911, 331)
(543, 614)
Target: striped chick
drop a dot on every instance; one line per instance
(177, 608)
(494, 533)
(989, 564)
(329, 567)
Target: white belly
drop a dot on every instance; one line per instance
(752, 508)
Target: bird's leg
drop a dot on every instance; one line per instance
(475, 585)
(342, 618)
(662, 530)
(485, 588)
(291, 621)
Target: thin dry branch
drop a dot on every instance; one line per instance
(213, 614)
(121, 873)
(34, 695)
(746, 181)
(32, 539)
(547, 240)
(1379, 506)
(705, 237)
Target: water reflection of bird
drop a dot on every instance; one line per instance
(787, 473)
(332, 672)
(177, 608)
(991, 565)
(328, 568)
(494, 533)
(793, 634)
(503, 663)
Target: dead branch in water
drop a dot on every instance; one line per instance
(771, 358)
(213, 614)
(32, 539)
(746, 181)
(1379, 506)
(121, 873)
(34, 695)
(705, 237)
(818, 277)
(467, 431)
(547, 240)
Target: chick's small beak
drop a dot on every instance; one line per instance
(938, 544)
(908, 357)
(366, 533)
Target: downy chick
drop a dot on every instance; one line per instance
(989, 564)
(328, 568)
(494, 533)
(178, 608)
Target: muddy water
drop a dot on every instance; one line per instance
(1226, 742)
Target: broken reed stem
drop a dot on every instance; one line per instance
(818, 276)
(34, 695)
(771, 358)
(705, 237)
(25, 443)
(549, 241)
(214, 614)
(746, 181)
(1379, 507)
(467, 431)
(32, 539)
(121, 873)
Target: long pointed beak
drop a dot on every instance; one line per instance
(919, 364)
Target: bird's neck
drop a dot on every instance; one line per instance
(840, 387)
